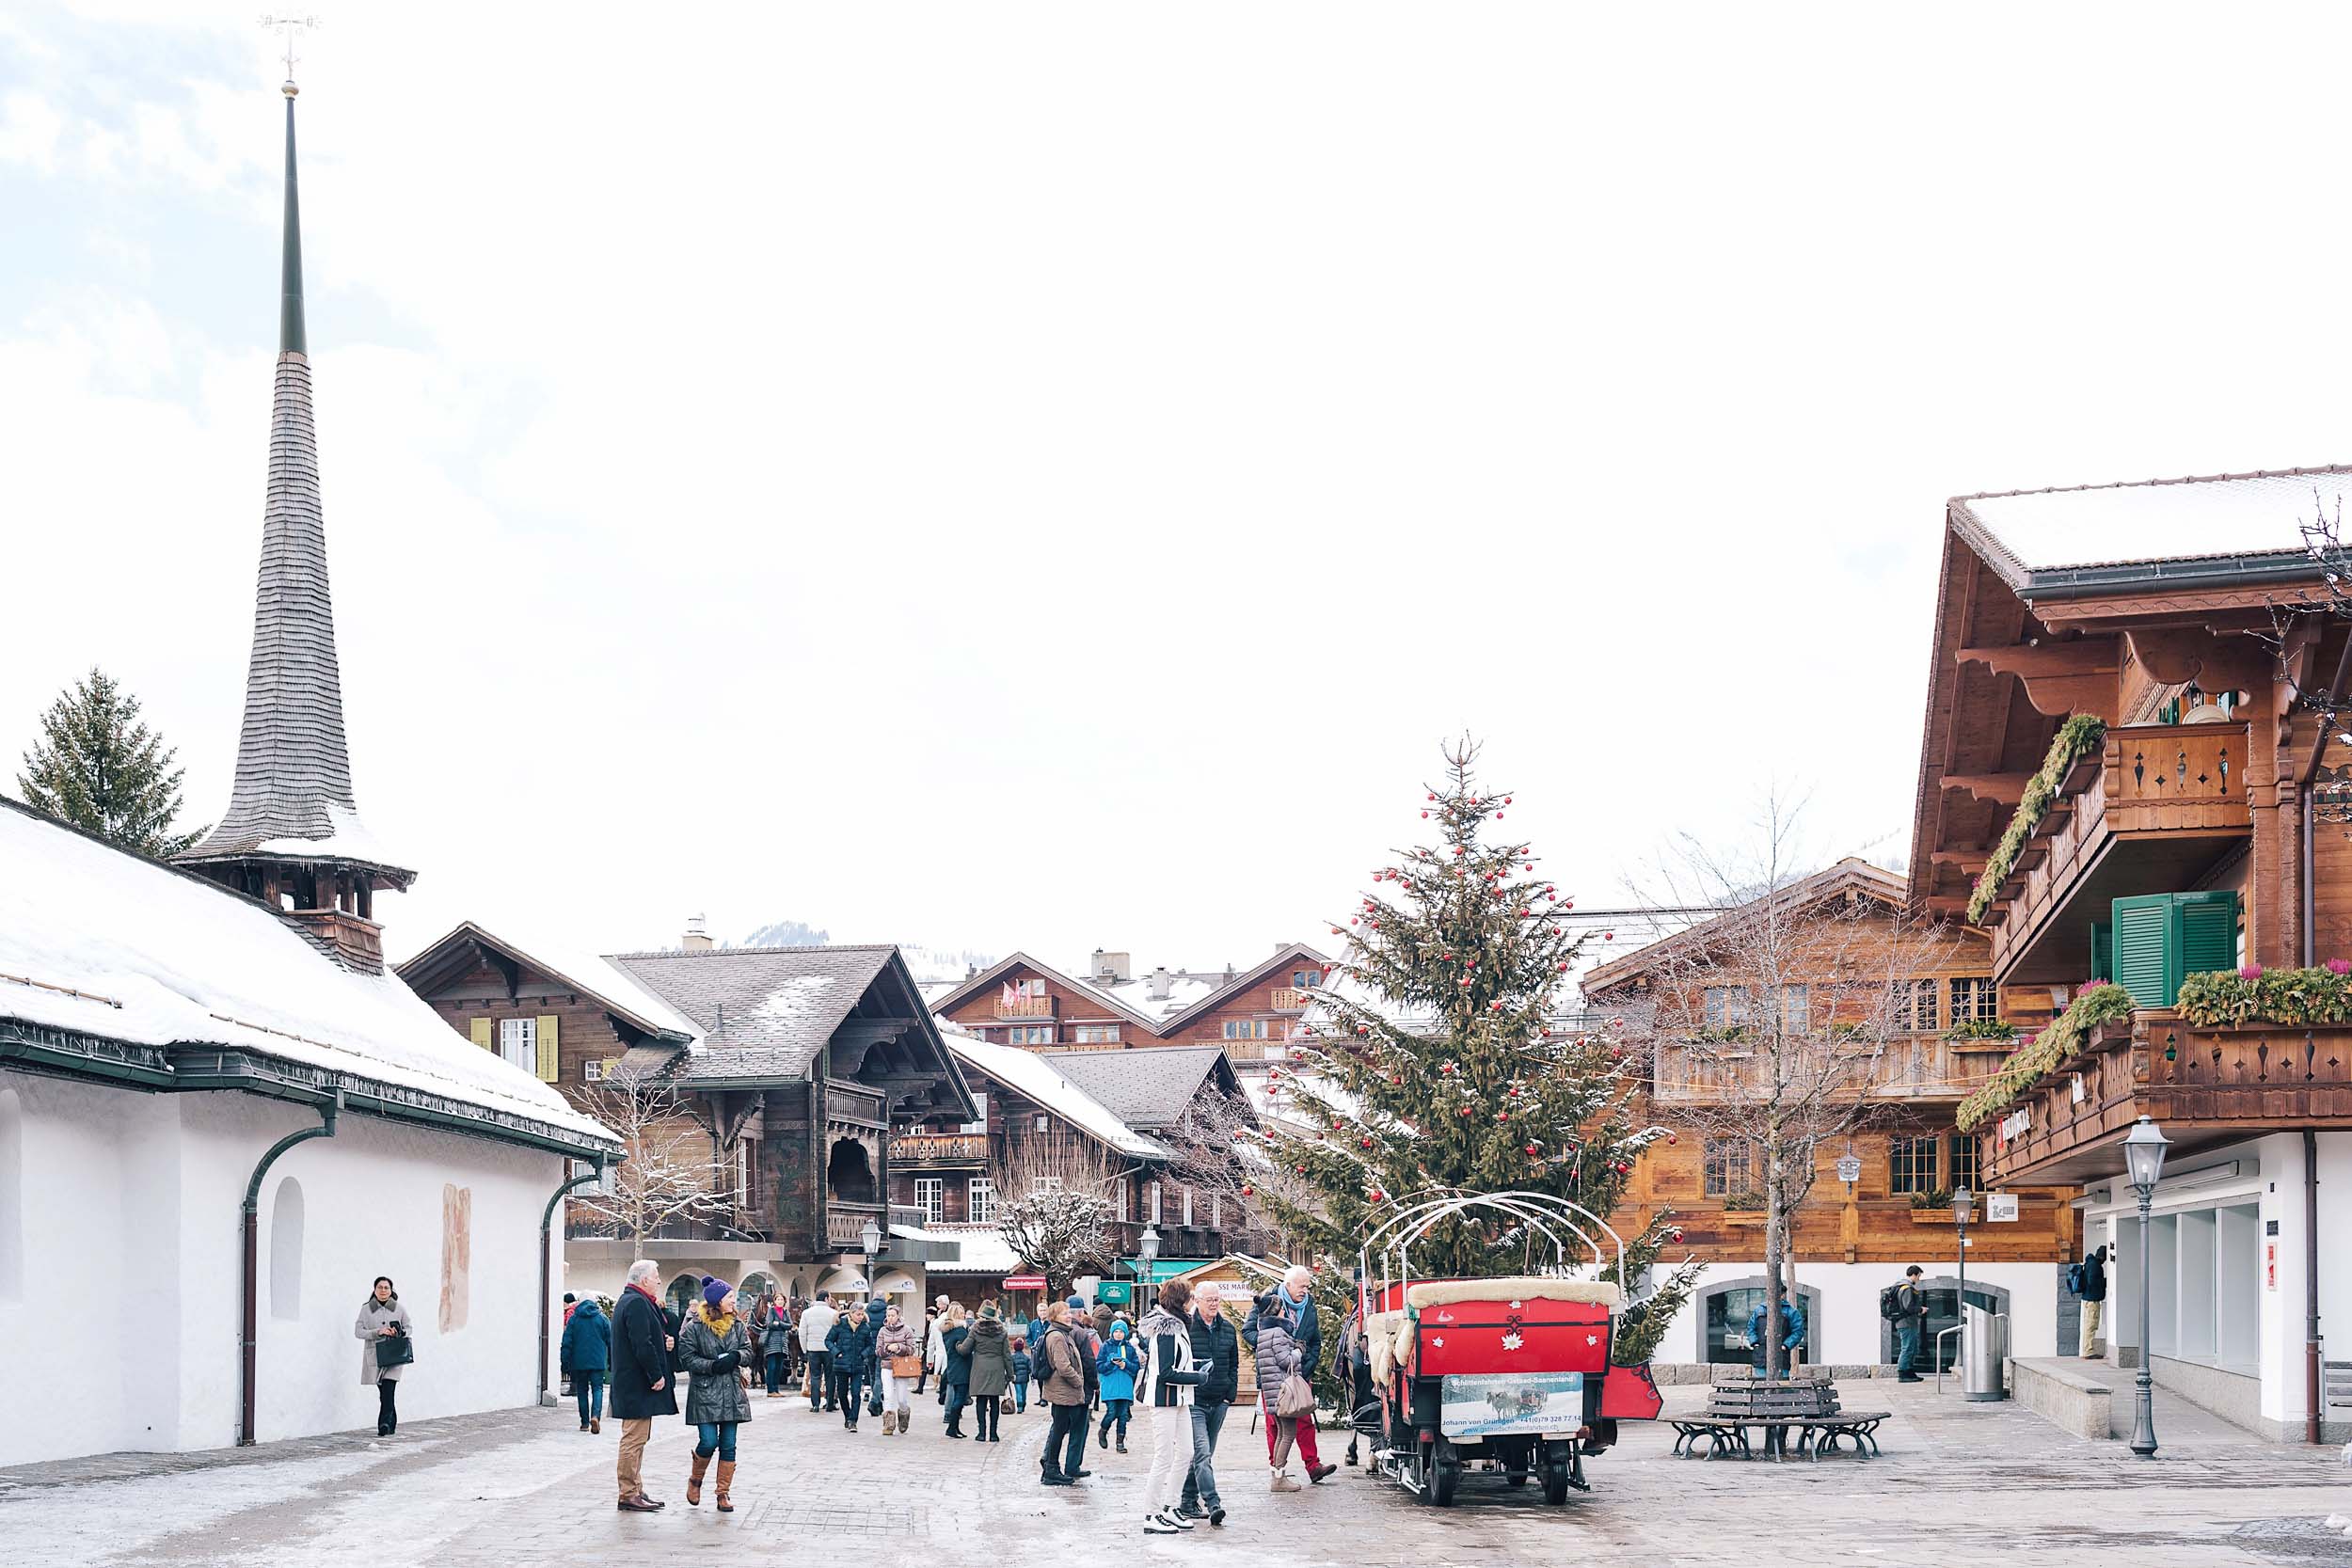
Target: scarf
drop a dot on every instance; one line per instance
(720, 1324)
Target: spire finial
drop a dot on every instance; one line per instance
(288, 26)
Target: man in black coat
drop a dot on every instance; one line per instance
(644, 1385)
(1216, 1355)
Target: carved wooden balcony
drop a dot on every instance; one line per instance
(2202, 1086)
(2146, 816)
(1921, 1068)
(940, 1148)
(1290, 999)
(1026, 1006)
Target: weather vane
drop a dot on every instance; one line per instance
(289, 26)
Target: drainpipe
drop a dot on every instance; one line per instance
(2312, 1369)
(547, 1229)
(249, 1329)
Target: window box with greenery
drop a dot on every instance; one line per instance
(1983, 1034)
(1935, 1208)
(2077, 740)
(2073, 1030)
(2293, 998)
(1744, 1208)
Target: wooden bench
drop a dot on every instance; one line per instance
(1806, 1404)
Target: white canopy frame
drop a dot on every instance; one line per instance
(1555, 1219)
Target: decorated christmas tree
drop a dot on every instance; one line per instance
(1439, 1064)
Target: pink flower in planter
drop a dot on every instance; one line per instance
(2249, 971)
(2339, 966)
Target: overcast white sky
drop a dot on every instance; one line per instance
(1048, 476)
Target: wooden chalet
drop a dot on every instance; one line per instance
(1850, 934)
(1127, 1119)
(792, 1063)
(2122, 780)
(1247, 1014)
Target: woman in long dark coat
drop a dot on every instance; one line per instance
(382, 1317)
(715, 1348)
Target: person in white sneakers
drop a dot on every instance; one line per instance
(1168, 1378)
(1278, 1357)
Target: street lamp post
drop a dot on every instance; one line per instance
(2143, 1159)
(1148, 1252)
(870, 1239)
(1962, 1202)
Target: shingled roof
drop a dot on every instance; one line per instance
(1149, 1088)
(292, 793)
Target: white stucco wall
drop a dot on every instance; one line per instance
(130, 1230)
(1846, 1327)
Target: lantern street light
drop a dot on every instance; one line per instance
(2143, 1162)
(1964, 1202)
(1146, 1252)
(870, 1240)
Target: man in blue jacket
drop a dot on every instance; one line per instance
(587, 1352)
(1791, 1333)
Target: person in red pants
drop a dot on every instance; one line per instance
(1293, 1303)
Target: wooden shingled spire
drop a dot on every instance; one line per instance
(292, 834)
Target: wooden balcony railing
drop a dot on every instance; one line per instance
(1290, 999)
(940, 1148)
(1914, 1068)
(1026, 1006)
(2202, 1085)
(845, 1222)
(852, 1103)
(2159, 783)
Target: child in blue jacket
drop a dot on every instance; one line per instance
(1023, 1370)
(1118, 1366)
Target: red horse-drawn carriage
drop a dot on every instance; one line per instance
(1508, 1376)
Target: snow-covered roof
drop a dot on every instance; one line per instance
(1146, 1086)
(595, 975)
(1040, 1078)
(1184, 989)
(979, 1248)
(164, 958)
(2025, 535)
(762, 1012)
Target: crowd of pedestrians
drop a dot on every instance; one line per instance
(1177, 1375)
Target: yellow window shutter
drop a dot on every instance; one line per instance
(480, 1031)
(547, 1047)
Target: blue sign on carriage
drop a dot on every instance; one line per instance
(1503, 1404)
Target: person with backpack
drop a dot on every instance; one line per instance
(1905, 1305)
(1023, 1368)
(1791, 1334)
(2088, 1280)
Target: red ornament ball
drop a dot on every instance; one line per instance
(1530, 1149)
(1249, 1191)
(1466, 1110)
(1378, 1195)
(1367, 1142)
(1503, 1116)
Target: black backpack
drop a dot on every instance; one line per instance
(2074, 1281)
(1891, 1303)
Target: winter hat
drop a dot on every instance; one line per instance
(715, 1291)
(1078, 1304)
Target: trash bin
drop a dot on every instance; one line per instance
(1983, 1348)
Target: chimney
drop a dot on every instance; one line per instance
(1113, 968)
(1160, 978)
(697, 937)
(1228, 975)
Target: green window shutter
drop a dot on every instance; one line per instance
(479, 1029)
(545, 1036)
(2102, 950)
(2208, 931)
(2146, 958)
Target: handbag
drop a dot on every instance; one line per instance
(394, 1350)
(906, 1366)
(1296, 1400)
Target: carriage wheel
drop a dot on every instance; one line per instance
(1556, 1472)
(1439, 1473)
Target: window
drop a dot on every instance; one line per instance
(1306, 979)
(1151, 1203)
(1187, 1212)
(1123, 1200)
(980, 1105)
(519, 1042)
(285, 1251)
(1911, 1164)
(1726, 1007)
(1796, 1009)
(979, 1200)
(930, 1196)
(1245, 1029)
(1030, 1034)
(1723, 1167)
(1044, 1122)
(1029, 988)
(1974, 1000)
(1097, 1033)
(1914, 1006)
(1964, 1161)
(1216, 1210)
(1046, 1184)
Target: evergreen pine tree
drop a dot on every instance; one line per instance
(1451, 1075)
(98, 768)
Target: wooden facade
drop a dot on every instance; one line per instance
(1910, 1153)
(1248, 1014)
(2210, 763)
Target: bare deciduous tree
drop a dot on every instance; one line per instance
(666, 1171)
(1055, 1207)
(1784, 1026)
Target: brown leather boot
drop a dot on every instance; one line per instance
(726, 1480)
(695, 1483)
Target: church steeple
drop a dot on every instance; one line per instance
(293, 833)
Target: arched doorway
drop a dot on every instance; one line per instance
(285, 1251)
(684, 1292)
(1941, 1292)
(751, 1288)
(1724, 1308)
(849, 1172)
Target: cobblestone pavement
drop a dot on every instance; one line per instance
(1959, 1485)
